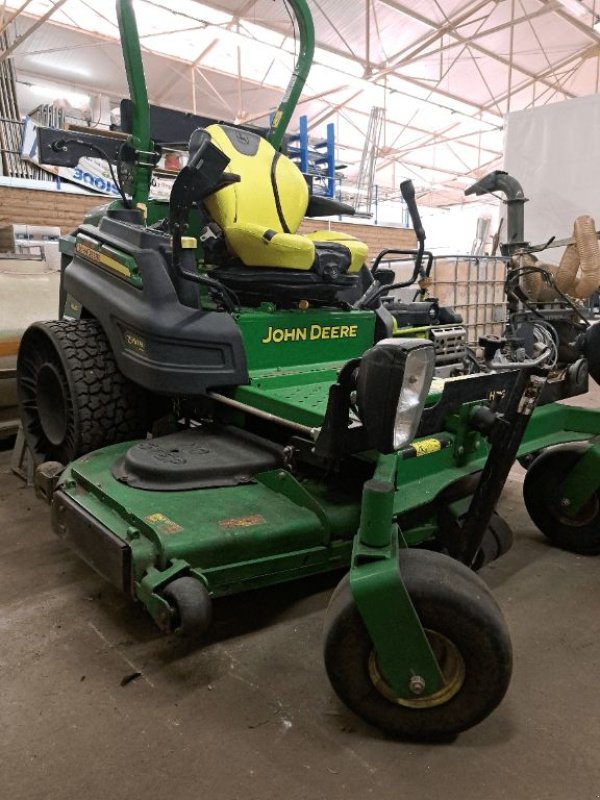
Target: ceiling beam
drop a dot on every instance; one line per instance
(13, 16)
(39, 21)
(450, 29)
(588, 52)
(550, 6)
(490, 31)
(443, 73)
(575, 22)
(410, 127)
(439, 30)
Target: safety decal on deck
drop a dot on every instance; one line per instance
(427, 446)
(241, 522)
(163, 524)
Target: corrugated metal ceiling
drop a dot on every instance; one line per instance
(446, 71)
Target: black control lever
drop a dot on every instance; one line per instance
(407, 190)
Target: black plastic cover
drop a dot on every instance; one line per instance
(413, 315)
(168, 126)
(256, 285)
(320, 206)
(197, 458)
(592, 351)
(158, 342)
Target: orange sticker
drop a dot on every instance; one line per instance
(242, 522)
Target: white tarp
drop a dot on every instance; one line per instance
(554, 151)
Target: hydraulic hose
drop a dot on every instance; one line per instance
(577, 275)
(589, 258)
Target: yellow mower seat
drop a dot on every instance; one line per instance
(260, 215)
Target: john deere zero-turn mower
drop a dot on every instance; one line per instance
(225, 404)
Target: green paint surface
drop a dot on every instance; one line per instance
(278, 528)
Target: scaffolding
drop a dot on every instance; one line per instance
(368, 162)
(11, 125)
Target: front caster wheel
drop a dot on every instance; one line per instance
(578, 532)
(468, 636)
(190, 604)
(497, 541)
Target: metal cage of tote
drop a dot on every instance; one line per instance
(472, 285)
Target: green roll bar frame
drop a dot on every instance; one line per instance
(140, 140)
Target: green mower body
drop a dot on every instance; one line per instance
(270, 527)
(197, 442)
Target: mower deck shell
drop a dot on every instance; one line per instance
(275, 528)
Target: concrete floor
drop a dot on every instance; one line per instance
(251, 714)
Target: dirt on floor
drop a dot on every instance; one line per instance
(95, 703)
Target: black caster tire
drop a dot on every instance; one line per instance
(72, 397)
(488, 551)
(467, 632)
(190, 604)
(576, 532)
(502, 533)
(497, 541)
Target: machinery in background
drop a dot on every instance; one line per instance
(423, 316)
(547, 324)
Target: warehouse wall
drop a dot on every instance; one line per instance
(35, 207)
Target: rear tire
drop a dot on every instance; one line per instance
(72, 397)
(466, 630)
(576, 532)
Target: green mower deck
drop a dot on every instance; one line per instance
(273, 529)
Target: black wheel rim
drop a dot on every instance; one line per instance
(45, 400)
(52, 403)
(581, 518)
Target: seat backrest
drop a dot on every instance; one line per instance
(272, 190)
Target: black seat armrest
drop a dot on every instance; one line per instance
(319, 206)
(226, 179)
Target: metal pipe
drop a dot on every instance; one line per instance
(500, 181)
(292, 94)
(138, 92)
(257, 412)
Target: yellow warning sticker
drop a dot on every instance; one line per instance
(241, 522)
(427, 446)
(163, 524)
(91, 254)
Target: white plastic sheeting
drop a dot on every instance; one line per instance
(554, 151)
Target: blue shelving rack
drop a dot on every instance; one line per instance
(316, 159)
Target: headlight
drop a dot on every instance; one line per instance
(394, 379)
